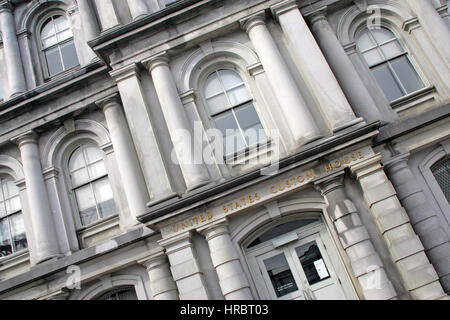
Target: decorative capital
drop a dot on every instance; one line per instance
(126, 72)
(188, 97)
(330, 183)
(317, 15)
(6, 6)
(395, 161)
(367, 167)
(161, 59)
(112, 100)
(216, 229)
(283, 7)
(256, 19)
(411, 24)
(153, 261)
(29, 137)
(72, 10)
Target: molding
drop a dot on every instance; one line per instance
(283, 7)
(157, 60)
(126, 72)
(255, 19)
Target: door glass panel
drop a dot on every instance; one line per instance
(312, 263)
(281, 275)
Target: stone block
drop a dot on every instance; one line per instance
(404, 231)
(185, 269)
(419, 277)
(353, 236)
(379, 193)
(405, 248)
(344, 208)
(348, 222)
(360, 250)
(233, 283)
(392, 220)
(366, 264)
(412, 262)
(432, 291)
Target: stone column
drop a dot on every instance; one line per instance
(314, 68)
(139, 121)
(42, 221)
(434, 26)
(89, 23)
(181, 133)
(161, 281)
(298, 116)
(355, 90)
(423, 218)
(366, 264)
(127, 160)
(13, 60)
(232, 279)
(107, 14)
(138, 9)
(407, 252)
(185, 267)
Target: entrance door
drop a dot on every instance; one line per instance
(298, 266)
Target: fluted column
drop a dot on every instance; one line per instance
(297, 114)
(187, 150)
(434, 26)
(366, 264)
(161, 281)
(232, 279)
(423, 217)
(314, 68)
(138, 9)
(406, 250)
(355, 90)
(127, 160)
(89, 23)
(44, 230)
(13, 60)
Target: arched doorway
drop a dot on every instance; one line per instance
(297, 260)
(122, 293)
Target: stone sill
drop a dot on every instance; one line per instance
(413, 99)
(97, 228)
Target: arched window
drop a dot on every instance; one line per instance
(124, 293)
(441, 172)
(57, 45)
(12, 227)
(231, 108)
(90, 184)
(389, 62)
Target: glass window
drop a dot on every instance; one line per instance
(125, 293)
(90, 184)
(12, 226)
(57, 45)
(280, 275)
(441, 171)
(312, 263)
(231, 107)
(389, 62)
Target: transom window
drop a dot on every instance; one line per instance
(124, 293)
(12, 226)
(57, 45)
(90, 184)
(441, 171)
(389, 62)
(231, 108)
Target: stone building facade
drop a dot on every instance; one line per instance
(333, 183)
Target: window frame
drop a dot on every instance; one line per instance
(41, 50)
(215, 68)
(71, 189)
(406, 53)
(7, 216)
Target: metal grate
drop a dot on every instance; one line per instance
(124, 293)
(441, 171)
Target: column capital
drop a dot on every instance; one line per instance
(177, 243)
(256, 19)
(160, 59)
(396, 160)
(330, 183)
(367, 167)
(188, 96)
(26, 138)
(218, 228)
(283, 7)
(317, 15)
(6, 6)
(126, 72)
(112, 100)
(154, 260)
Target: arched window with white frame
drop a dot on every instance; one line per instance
(57, 45)
(12, 226)
(232, 111)
(441, 172)
(90, 184)
(389, 62)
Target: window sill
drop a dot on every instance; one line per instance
(14, 264)
(413, 99)
(99, 230)
(62, 74)
(248, 154)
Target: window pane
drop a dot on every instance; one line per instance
(2, 209)
(392, 49)
(230, 131)
(48, 29)
(18, 232)
(387, 82)
(69, 55)
(406, 73)
(61, 23)
(217, 104)
(229, 78)
(79, 177)
(212, 86)
(53, 61)
(86, 205)
(382, 35)
(97, 170)
(373, 57)
(10, 188)
(238, 95)
(104, 196)
(312, 263)
(281, 275)
(64, 35)
(5, 241)
(250, 124)
(76, 160)
(365, 42)
(13, 205)
(48, 42)
(441, 172)
(92, 153)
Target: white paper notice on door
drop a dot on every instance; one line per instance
(321, 269)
